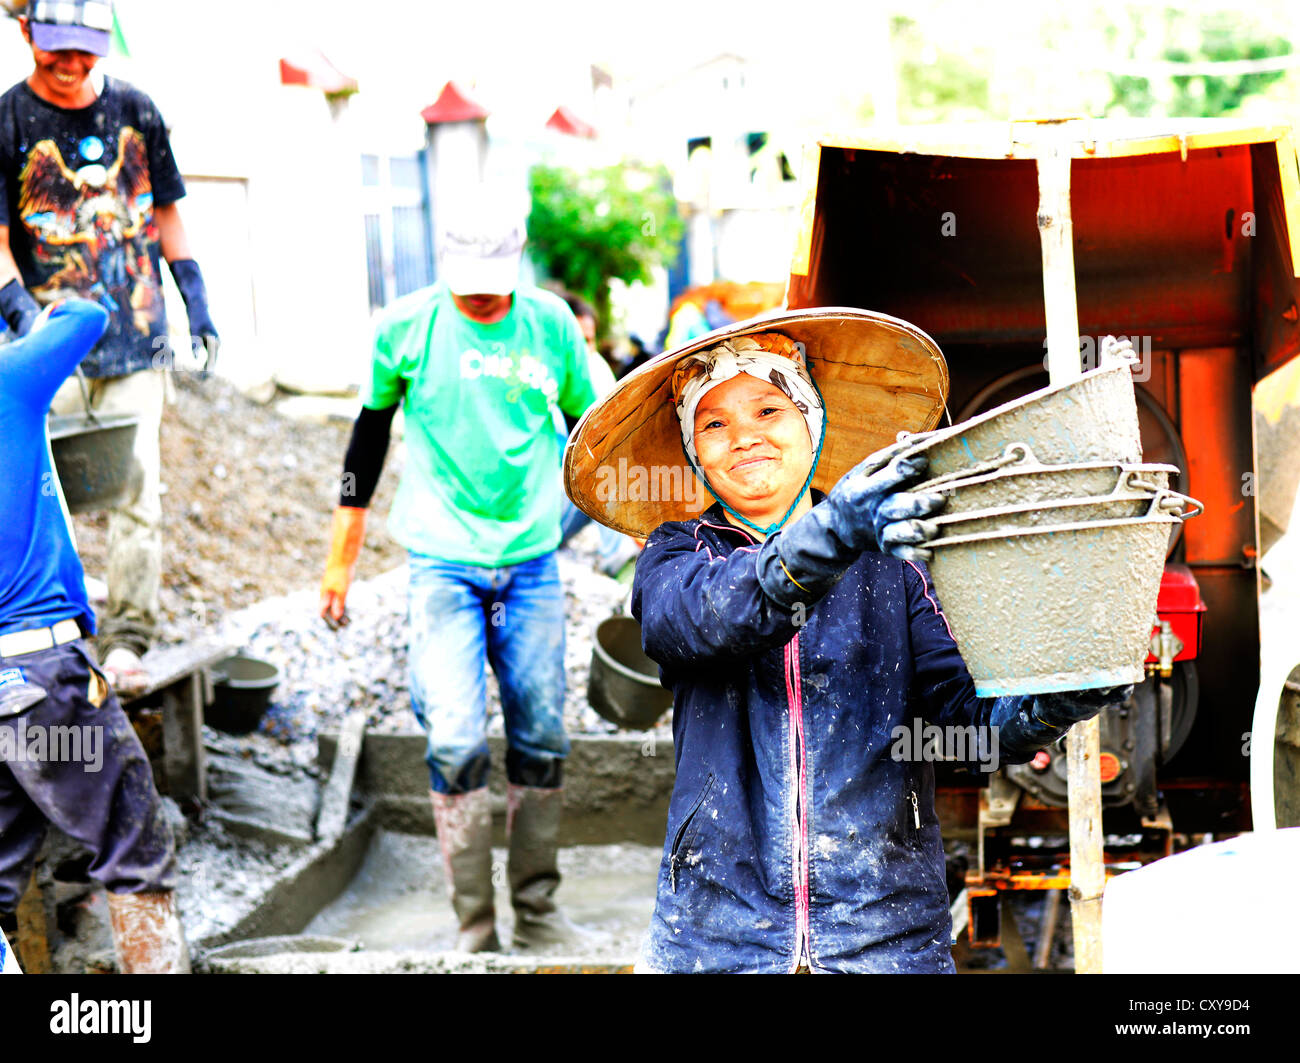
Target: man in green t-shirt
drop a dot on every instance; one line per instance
(478, 366)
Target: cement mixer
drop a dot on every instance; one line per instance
(1187, 244)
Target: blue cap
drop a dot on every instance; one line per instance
(71, 25)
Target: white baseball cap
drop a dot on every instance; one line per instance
(480, 241)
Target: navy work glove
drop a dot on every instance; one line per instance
(190, 282)
(868, 510)
(18, 308)
(1044, 718)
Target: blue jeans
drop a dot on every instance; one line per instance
(462, 618)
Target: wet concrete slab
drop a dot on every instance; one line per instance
(398, 900)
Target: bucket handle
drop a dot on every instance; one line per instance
(1166, 498)
(1154, 515)
(1129, 488)
(1014, 454)
(905, 441)
(1029, 467)
(85, 397)
(1176, 504)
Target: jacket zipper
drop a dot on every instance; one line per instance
(799, 856)
(674, 857)
(916, 811)
(798, 752)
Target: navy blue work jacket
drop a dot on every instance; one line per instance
(794, 835)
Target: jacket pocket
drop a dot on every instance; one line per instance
(686, 833)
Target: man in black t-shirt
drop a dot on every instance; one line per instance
(88, 207)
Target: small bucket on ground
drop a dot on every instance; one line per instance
(242, 689)
(624, 685)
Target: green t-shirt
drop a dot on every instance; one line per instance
(482, 479)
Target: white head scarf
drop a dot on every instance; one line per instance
(766, 356)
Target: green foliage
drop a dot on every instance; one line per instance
(936, 85)
(586, 229)
(1220, 36)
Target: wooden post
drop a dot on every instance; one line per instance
(1087, 866)
(333, 815)
(34, 929)
(183, 755)
(1056, 232)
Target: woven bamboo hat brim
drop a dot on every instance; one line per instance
(625, 467)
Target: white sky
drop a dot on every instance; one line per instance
(524, 53)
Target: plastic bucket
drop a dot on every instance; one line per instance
(242, 689)
(95, 461)
(624, 684)
(1067, 607)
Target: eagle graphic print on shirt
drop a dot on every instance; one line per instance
(80, 190)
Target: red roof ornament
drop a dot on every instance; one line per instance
(565, 121)
(453, 104)
(309, 67)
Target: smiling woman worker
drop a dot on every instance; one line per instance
(793, 645)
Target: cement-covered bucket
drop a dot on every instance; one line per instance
(1091, 419)
(1065, 607)
(1020, 479)
(1123, 502)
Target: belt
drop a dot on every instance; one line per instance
(39, 638)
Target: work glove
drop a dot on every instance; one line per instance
(346, 537)
(18, 308)
(190, 282)
(1041, 720)
(868, 510)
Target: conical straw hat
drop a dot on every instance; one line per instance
(625, 466)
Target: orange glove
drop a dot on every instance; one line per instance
(346, 537)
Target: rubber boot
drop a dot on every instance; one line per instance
(464, 823)
(533, 822)
(147, 933)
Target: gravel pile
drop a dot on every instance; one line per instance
(325, 673)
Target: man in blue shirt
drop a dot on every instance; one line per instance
(68, 754)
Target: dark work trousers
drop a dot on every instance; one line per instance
(69, 756)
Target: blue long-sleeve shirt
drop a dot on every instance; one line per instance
(41, 578)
